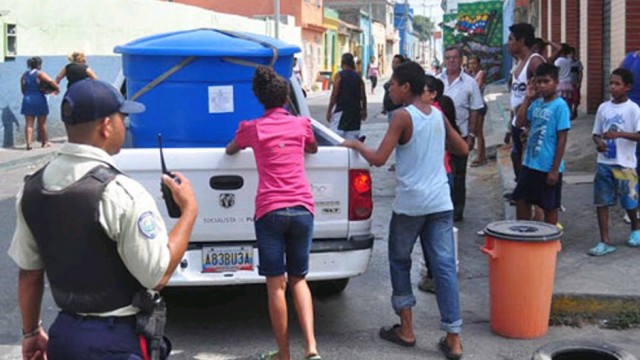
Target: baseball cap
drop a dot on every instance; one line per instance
(89, 100)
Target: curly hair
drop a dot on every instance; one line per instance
(77, 57)
(34, 62)
(270, 88)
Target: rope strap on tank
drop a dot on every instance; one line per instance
(162, 77)
(237, 61)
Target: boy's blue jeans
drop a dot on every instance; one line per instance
(436, 238)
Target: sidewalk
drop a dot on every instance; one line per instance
(586, 288)
(11, 158)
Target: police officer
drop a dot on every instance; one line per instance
(96, 232)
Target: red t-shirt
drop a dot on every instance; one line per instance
(278, 140)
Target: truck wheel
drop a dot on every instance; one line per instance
(328, 287)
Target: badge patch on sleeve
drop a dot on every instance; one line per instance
(148, 225)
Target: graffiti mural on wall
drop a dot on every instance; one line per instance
(477, 29)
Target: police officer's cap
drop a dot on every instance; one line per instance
(90, 100)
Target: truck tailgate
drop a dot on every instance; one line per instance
(225, 187)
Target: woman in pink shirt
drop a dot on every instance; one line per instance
(284, 206)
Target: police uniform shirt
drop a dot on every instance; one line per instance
(128, 215)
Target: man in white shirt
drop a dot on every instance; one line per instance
(466, 96)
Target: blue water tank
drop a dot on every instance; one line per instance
(202, 102)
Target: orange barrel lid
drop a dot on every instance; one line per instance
(521, 230)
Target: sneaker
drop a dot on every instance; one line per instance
(601, 249)
(427, 285)
(634, 239)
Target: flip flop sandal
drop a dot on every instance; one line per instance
(478, 163)
(270, 355)
(389, 333)
(313, 357)
(601, 249)
(442, 345)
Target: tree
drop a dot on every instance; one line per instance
(423, 26)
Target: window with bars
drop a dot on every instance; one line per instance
(11, 41)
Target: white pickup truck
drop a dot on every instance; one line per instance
(222, 250)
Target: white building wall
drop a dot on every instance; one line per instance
(618, 33)
(52, 29)
(57, 27)
(584, 28)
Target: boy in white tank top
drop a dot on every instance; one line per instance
(521, 38)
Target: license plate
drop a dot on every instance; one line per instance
(227, 258)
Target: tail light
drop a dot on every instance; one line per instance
(360, 200)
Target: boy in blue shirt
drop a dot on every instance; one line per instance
(616, 131)
(547, 117)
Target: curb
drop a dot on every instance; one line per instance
(609, 311)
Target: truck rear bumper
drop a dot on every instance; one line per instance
(330, 259)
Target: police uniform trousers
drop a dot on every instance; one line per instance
(75, 337)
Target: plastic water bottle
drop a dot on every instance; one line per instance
(611, 148)
(611, 144)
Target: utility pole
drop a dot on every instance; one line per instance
(405, 44)
(431, 36)
(276, 17)
(371, 49)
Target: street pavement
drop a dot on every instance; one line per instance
(233, 324)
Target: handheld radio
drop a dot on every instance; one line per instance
(172, 208)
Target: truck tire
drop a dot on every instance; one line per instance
(328, 287)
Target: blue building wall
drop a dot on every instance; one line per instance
(105, 67)
(366, 41)
(406, 42)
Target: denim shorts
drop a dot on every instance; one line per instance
(613, 182)
(532, 187)
(284, 234)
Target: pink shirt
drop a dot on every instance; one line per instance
(278, 140)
